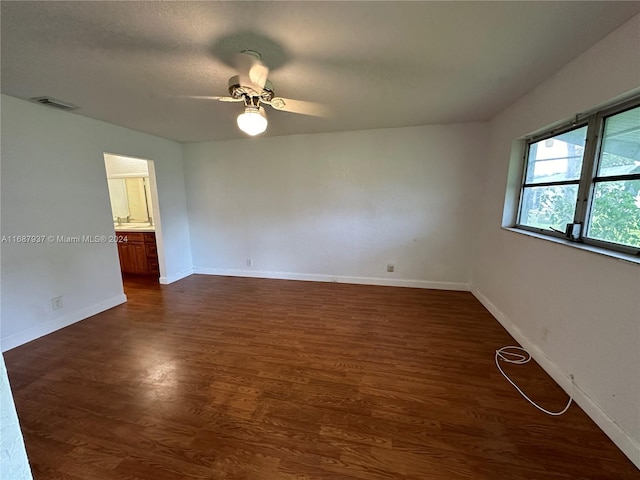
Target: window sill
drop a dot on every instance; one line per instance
(625, 257)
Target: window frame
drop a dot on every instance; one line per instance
(588, 179)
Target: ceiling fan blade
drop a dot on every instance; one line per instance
(300, 106)
(209, 97)
(251, 71)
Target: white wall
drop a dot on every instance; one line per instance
(579, 312)
(338, 206)
(54, 183)
(14, 464)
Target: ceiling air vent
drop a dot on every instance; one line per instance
(55, 103)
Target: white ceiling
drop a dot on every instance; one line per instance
(374, 64)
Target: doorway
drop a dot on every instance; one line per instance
(136, 217)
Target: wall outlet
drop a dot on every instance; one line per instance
(391, 267)
(249, 262)
(56, 303)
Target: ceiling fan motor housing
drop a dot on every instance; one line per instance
(236, 90)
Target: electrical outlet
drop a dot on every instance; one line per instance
(249, 262)
(391, 267)
(56, 303)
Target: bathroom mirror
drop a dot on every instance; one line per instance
(130, 200)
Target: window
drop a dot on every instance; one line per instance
(582, 181)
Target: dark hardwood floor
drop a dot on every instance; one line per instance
(238, 378)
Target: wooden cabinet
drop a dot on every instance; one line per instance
(138, 253)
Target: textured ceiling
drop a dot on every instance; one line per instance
(374, 64)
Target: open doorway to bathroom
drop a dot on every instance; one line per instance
(136, 218)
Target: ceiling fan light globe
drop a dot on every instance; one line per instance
(252, 121)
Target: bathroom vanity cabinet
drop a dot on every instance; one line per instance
(138, 253)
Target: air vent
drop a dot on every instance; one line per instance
(54, 103)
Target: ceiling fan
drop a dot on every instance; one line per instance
(252, 87)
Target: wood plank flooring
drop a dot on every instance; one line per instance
(239, 378)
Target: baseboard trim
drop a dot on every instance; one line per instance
(51, 326)
(312, 277)
(625, 442)
(176, 276)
